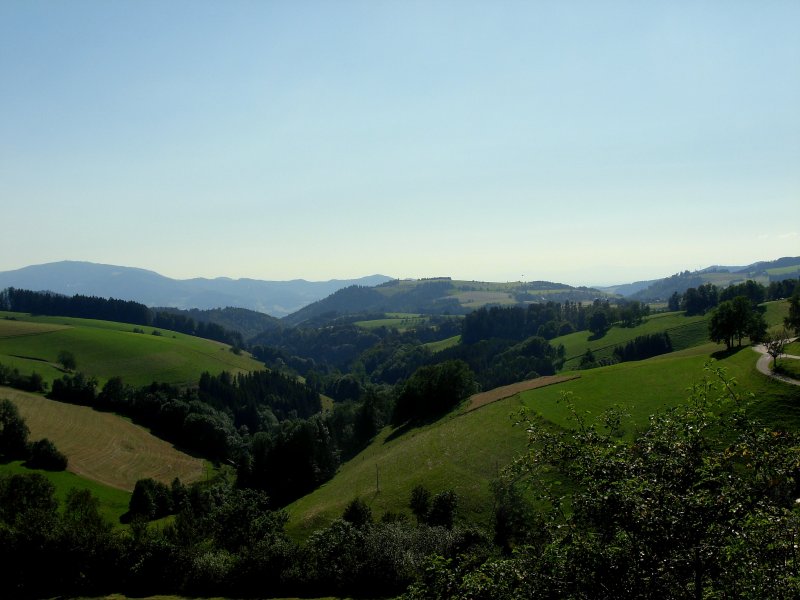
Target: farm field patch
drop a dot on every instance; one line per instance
(105, 349)
(102, 446)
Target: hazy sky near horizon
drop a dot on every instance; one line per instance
(587, 142)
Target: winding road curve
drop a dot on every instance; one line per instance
(763, 364)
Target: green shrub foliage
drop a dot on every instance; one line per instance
(150, 500)
(676, 513)
(13, 432)
(434, 390)
(644, 346)
(43, 454)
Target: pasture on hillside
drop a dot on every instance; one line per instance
(400, 321)
(113, 502)
(105, 349)
(104, 447)
(683, 331)
(443, 344)
(464, 450)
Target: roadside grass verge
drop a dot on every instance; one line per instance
(789, 367)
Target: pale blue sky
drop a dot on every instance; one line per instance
(584, 142)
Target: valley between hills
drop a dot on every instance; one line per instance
(415, 438)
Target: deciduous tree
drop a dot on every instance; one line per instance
(13, 431)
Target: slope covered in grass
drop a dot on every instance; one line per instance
(460, 451)
(102, 446)
(113, 502)
(104, 349)
(683, 331)
(465, 450)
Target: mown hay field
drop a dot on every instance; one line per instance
(102, 446)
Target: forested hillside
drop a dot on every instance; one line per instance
(764, 273)
(438, 296)
(359, 425)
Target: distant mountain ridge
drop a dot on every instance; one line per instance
(440, 296)
(276, 298)
(299, 301)
(722, 276)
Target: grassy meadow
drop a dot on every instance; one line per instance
(107, 453)
(684, 332)
(464, 450)
(400, 321)
(104, 349)
(113, 501)
(102, 446)
(443, 344)
(450, 453)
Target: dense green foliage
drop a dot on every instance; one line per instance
(736, 319)
(766, 273)
(14, 445)
(644, 346)
(247, 323)
(792, 321)
(516, 323)
(43, 454)
(110, 309)
(432, 391)
(497, 362)
(223, 540)
(698, 300)
(675, 513)
(430, 297)
(13, 378)
(152, 499)
(290, 461)
(13, 432)
(662, 511)
(258, 399)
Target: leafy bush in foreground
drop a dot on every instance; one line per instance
(43, 454)
(701, 505)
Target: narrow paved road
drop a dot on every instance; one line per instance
(763, 364)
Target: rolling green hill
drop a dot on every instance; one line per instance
(438, 296)
(721, 276)
(465, 450)
(102, 446)
(113, 501)
(104, 349)
(683, 331)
